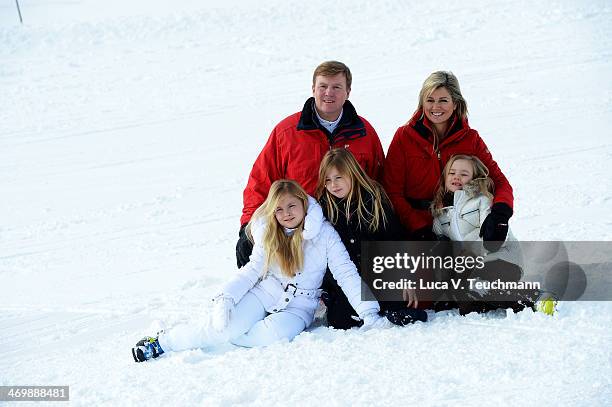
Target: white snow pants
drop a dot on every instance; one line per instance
(249, 326)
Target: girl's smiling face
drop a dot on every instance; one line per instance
(460, 173)
(290, 211)
(337, 184)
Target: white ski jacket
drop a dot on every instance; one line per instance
(300, 294)
(462, 221)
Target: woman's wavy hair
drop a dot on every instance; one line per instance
(279, 248)
(481, 181)
(444, 79)
(343, 161)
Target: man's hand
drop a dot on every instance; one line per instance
(244, 247)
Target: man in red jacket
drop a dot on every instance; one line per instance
(297, 144)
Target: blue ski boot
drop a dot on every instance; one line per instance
(147, 348)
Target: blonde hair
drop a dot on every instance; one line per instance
(344, 162)
(279, 248)
(480, 180)
(447, 80)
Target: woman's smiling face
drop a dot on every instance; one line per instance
(439, 107)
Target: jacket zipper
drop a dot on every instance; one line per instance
(455, 218)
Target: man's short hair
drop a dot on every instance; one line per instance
(331, 68)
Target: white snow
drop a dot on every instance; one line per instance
(127, 132)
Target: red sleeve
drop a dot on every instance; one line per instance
(503, 189)
(375, 153)
(379, 159)
(394, 181)
(265, 171)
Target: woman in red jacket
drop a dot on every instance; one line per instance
(419, 151)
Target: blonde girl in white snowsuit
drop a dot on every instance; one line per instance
(461, 204)
(275, 295)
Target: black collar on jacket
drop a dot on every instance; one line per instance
(349, 128)
(423, 127)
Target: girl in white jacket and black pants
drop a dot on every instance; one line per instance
(276, 294)
(459, 208)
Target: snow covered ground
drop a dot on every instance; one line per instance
(127, 132)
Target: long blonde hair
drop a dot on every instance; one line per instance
(279, 248)
(343, 161)
(481, 181)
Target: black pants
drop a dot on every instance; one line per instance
(340, 313)
(468, 301)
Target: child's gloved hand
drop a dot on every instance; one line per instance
(494, 229)
(222, 309)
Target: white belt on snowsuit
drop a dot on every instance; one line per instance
(291, 291)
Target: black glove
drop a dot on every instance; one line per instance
(244, 247)
(494, 229)
(424, 235)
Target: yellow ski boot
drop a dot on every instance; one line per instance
(547, 303)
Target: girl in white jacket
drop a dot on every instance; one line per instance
(461, 204)
(275, 295)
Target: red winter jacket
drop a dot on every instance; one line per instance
(413, 168)
(296, 147)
